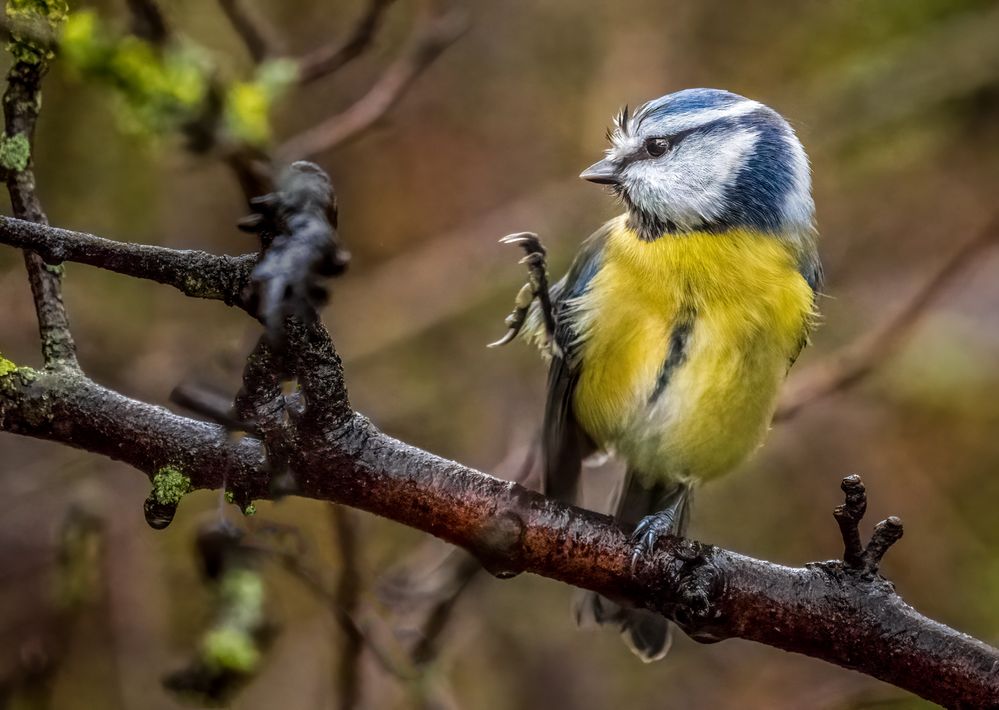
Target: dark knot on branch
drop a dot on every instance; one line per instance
(300, 246)
(497, 546)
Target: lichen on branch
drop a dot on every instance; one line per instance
(32, 23)
(15, 152)
(177, 84)
(170, 485)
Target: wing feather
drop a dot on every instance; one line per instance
(565, 444)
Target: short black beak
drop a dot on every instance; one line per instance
(603, 172)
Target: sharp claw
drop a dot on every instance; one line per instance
(510, 335)
(647, 534)
(518, 238)
(528, 241)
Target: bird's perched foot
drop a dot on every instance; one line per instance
(536, 287)
(671, 520)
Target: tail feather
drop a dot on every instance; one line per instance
(647, 634)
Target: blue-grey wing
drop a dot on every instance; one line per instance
(564, 442)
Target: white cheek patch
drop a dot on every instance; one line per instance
(688, 185)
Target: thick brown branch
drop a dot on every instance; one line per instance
(828, 610)
(856, 361)
(327, 59)
(430, 41)
(21, 103)
(194, 273)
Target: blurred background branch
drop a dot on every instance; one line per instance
(428, 42)
(848, 366)
(252, 34)
(330, 57)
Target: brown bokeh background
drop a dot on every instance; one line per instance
(897, 103)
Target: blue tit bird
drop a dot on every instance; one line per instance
(678, 320)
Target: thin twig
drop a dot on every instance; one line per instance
(430, 41)
(438, 591)
(848, 516)
(249, 30)
(348, 623)
(347, 596)
(464, 569)
(21, 103)
(194, 273)
(853, 363)
(210, 404)
(329, 58)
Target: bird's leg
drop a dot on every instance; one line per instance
(671, 520)
(536, 287)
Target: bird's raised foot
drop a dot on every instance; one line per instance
(535, 259)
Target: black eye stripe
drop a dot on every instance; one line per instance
(671, 141)
(679, 136)
(641, 152)
(675, 138)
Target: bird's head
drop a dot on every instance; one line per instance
(706, 159)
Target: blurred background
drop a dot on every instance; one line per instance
(897, 103)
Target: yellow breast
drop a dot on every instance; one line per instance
(749, 310)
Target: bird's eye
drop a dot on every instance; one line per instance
(656, 146)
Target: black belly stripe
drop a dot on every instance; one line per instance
(676, 354)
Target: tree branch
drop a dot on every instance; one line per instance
(830, 611)
(21, 102)
(430, 41)
(193, 273)
(327, 59)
